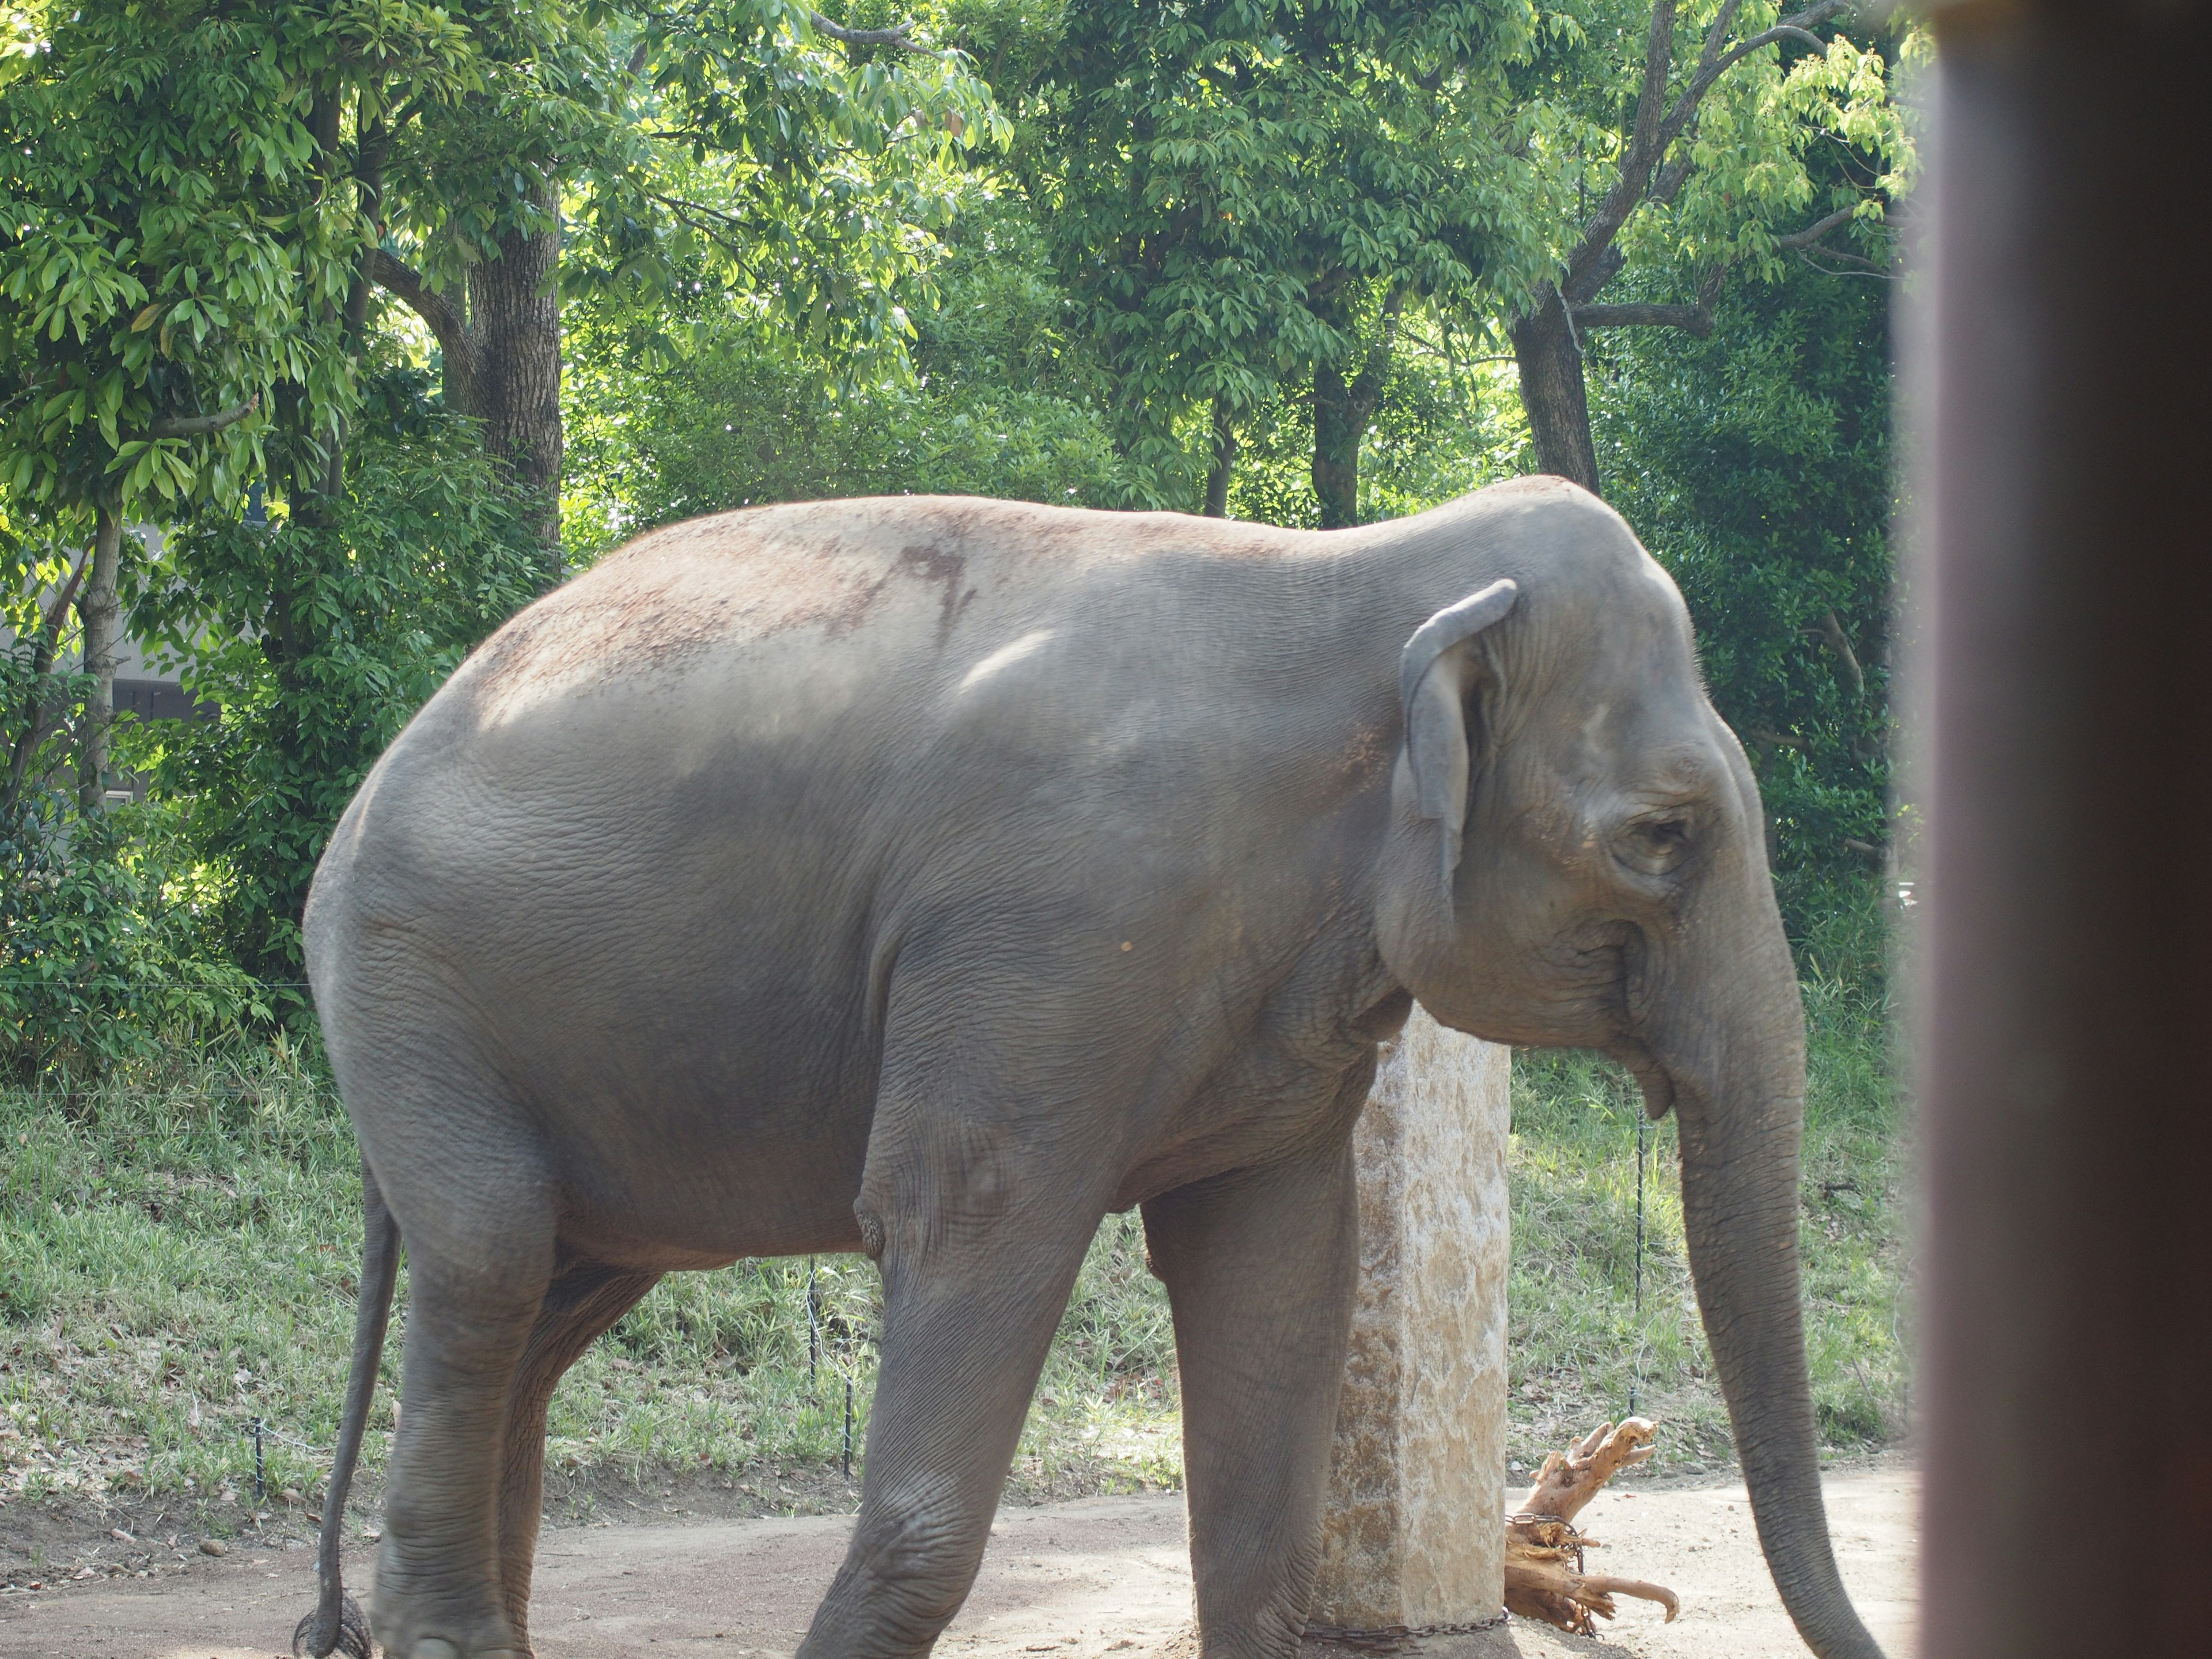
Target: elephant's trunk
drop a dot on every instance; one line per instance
(1740, 1208)
(1722, 1040)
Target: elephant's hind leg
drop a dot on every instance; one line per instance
(1261, 1268)
(585, 1299)
(460, 1170)
(438, 1592)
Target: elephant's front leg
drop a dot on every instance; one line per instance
(1261, 1267)
(979, 1226)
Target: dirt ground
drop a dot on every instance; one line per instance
(1080, 1580)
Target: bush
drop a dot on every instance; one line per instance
(104, 953)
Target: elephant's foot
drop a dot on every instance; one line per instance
(435, 1627)
(346, 1633)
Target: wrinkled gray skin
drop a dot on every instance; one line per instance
(931, 877)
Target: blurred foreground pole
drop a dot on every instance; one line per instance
(2061, 374)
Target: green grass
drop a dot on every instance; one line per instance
(178, 1252)
(178, 1255)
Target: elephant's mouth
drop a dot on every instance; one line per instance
(1654, 1079)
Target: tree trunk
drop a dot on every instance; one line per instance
(1336, 449)
(97, 609)
(457, 347)
(1552, 390)
(515, 326)
(1224, 461)
(1341, 411)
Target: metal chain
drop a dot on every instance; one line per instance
(1636, 1376)
(1389, 1638)
(1575, 1540)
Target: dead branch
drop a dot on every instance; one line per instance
(1569, 1479)
(1540, 1539)
(198, 426)
(894, 36)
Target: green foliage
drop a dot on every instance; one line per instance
(1000, 403)
(318, 641)
(1240, 193)
(163, 246)
(802, 178)
(1757, 466)
(104, 953)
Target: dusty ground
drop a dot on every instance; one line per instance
(1080, 1580)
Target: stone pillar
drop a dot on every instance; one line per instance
(1414, 1529)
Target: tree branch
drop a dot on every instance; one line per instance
(38, 704)
(1710, 68)
(1671, 177)
(1814, 232)
(198, 426)
(1696, 319)
(396, 276)
(1830, 628)
(1789, 29)
(1645, 147)
(1653, 134)
(895, 36)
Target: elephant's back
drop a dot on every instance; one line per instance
(897, 580)
(717, 717)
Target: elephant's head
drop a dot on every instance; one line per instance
(1576, 858)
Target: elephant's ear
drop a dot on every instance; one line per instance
(1433, 671)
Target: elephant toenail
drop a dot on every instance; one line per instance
(433, 1647)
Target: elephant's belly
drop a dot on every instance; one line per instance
(693, 1158)
(704, 1200)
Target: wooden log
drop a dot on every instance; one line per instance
(1540, 1537)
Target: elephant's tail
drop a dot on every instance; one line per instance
(336, 1621)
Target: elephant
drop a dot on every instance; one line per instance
(930, 877)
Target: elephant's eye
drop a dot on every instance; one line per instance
(1657, 844)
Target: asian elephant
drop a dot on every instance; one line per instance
(929, 876)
